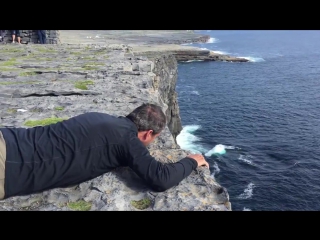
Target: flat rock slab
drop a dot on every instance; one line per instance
(38, 82)
(134, 37)
(150, 42)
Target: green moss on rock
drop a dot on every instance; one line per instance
(12, 110)
(89, 67)
(10, 62)
(141, 204)
(27, 74)
(47, 50)
(25, 82)
(11, 50)
(36, 110)
(9, 69)
(43, 122)
(83, 84)
(80, 205)
(59, 108)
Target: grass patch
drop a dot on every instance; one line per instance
(83, 84)
(59, 108)
(90, 67)
(31, 55)
(13, 83)
(42, 59)
(95, 64)
(10, 62)
(11, 50)
(45, 50)
(7, 69)
(43, 122)
(76, 53)
(80, 205)
(99, 52)
(141, 204)
(36, 110)
(27, 74)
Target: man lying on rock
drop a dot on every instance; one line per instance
(84, 147)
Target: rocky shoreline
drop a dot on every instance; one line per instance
(54, 82)
(151, 43)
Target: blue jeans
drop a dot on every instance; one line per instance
(42, 36)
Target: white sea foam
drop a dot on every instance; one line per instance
(251, 59)
(216, 169)
(188, 141)
(230, 147)
(192, 61)
(186, 44)
(248, 192)
(254, 59)
(246, 209)
(220, 52)
(212, 40)
(205, 49)
(218, 149)
(246, 159)
(195, 92)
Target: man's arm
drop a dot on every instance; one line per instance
(159, 176)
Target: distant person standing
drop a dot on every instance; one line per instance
(2, 35)
(42, 36)
(16, 33)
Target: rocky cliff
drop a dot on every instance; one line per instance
(44, 84)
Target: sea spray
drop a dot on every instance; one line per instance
(188, 141)
(218, 149)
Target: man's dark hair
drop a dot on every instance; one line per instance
(148, 117)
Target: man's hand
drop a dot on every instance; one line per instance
(200, 159)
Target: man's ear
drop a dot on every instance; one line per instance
(146, 134)
(149, 133)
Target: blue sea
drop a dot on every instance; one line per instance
(257, 123)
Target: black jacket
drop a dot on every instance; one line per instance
(79, 149)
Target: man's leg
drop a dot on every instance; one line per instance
(44, 37)
(13, 32)
(2, 165)
(40, 36)
(18, 36)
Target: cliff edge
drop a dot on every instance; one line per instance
(52, 82)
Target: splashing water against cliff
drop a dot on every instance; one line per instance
(218, 149)
(188, 141)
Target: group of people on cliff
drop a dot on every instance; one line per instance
(17, 39)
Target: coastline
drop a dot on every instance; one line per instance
(63, 80)
(151, 43)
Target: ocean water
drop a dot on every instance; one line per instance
(258, 123)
